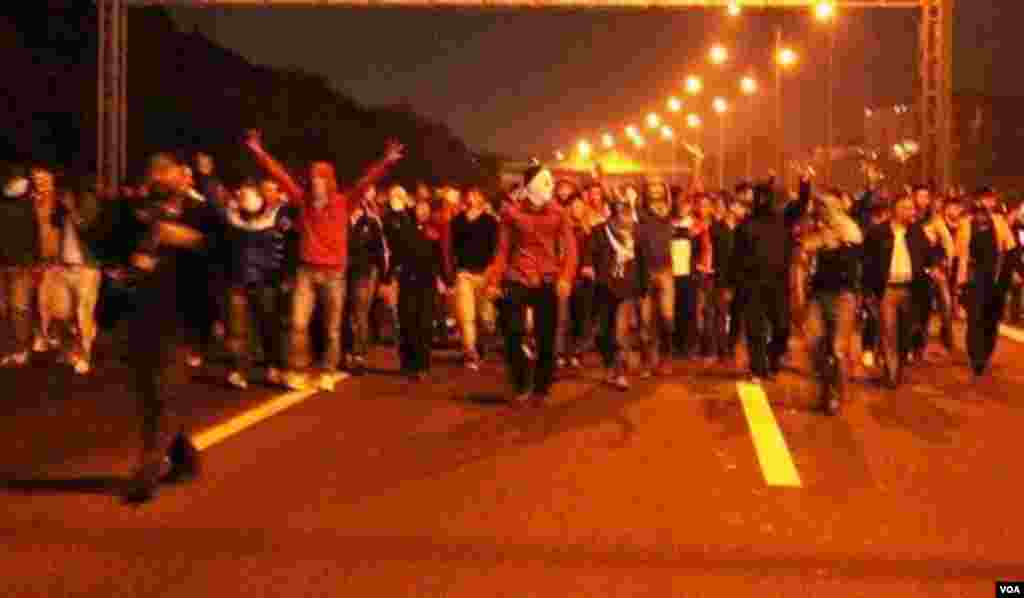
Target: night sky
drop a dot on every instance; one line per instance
(526, 82)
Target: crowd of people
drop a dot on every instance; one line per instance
(287, 273)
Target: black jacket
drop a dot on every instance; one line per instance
(763, 245)
(601, 257)
(878, 247)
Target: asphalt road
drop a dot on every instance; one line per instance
(389, 488)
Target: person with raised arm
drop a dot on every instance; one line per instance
(323, 254)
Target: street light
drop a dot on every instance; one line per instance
(748, 85)
(825, 10)
(653, 121)
(584, 148)
(631, 131)
(674, 105)
(735, 8)
(721, 107)
(693, 120)
(667, 133)
(694, 85)
(786, 57)
(608, 140)
(559, 156)
(718, 54)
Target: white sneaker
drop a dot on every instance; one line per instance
(39, 345)
(868, 359)
(82, 366)
(621, 383)
(237, 380)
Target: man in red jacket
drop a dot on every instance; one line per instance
(536, 259)
(323, 255)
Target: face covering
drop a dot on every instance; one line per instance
(16, 188)
(539, 190)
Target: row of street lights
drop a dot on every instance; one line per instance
(718, 54)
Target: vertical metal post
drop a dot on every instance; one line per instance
(122, 106)
(829, 99)
(779, 131)
(721, 151)
(110, 94)
(936, 91)
(101, 93)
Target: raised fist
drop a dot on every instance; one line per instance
(394, 150)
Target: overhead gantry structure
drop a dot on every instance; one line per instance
(935, 61)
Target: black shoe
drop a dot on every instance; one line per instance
(143, 485)
(184, 459)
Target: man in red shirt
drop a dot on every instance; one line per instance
(323, 254)
(536, 261)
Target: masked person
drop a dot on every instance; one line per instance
(835, 243)
(984, 244)
(536, 260)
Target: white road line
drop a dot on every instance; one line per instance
(222, 431)
(772, 453)
(1012, 333)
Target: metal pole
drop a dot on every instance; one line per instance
(779, 131)
(122, 105)
(101, 99)
(828, 105)
(750, 144)
(721, 151)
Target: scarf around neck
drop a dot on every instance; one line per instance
(624, 250)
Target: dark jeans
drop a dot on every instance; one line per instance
(362, 290)
(984, 310)
(258, 307)
(737, 309)
(714, 338)
(544, 301)
(687, 328)
(613, 340)
(767, 321)
(576, 315)
(417, 303)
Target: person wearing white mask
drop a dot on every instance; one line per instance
(536, 262)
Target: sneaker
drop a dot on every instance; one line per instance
(237, 380)
(39, 345)
(14, 360)
(358, 366)
(868, 359)
(183, 458)
(296, 381)
(610, 377)
(143, 485)
(194, 361)
(82, 366)
(473, 364)
(528, 352)
(621, 383)
(575, 363)
(274, 376)
(561, 363)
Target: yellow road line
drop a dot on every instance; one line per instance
(1012, 333)
(772, 452)
(220, 432)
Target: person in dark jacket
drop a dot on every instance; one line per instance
(897, 254)
(621, 276)
(836, 242)
(760, 265)
(576, 322)
(397, 214)
(19, 254)
(367, 260)
(654, 233)
(254, 246)
(418, 267)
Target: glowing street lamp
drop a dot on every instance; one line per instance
(674, 105)
(631, 131)
(825, 10)
(559, 156)
(720, 105)
(735, 8)
(667, 133)
(694, 85)
(786, 57)
(653, 121)
(608, 140)
(748, 85)
(693, 120)
(718, 54)
(584, 148)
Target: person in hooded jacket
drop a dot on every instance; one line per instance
(762, 252)
(576, 322)
(254, 245)
(654, 234)
(367, 261)
(323, 246)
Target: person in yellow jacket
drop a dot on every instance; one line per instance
(983, 243)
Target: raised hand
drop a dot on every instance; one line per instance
(394, 150)
(698, 153)
(254, 139)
